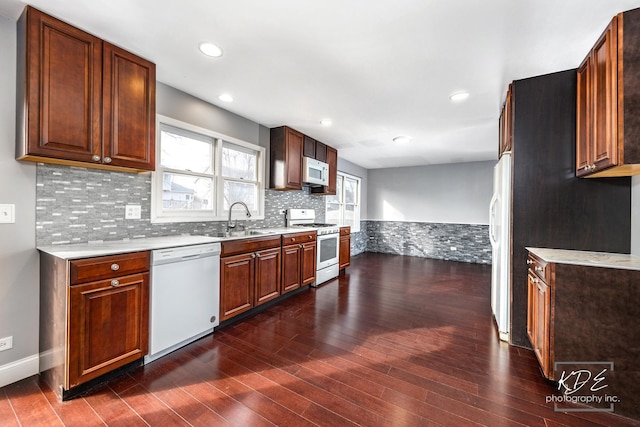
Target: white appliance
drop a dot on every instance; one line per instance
(184, 296)
(328, 243)
(315, 172)
(499, 235)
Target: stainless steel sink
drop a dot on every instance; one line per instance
(240, 233)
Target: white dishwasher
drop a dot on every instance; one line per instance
(184, 296)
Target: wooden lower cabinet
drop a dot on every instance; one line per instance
(250, 274)
(539, 312)
(236, 285)
(298, 260)
(108, 326)
(344, 254)
(267, 275)
(585, 317)
(94, 317)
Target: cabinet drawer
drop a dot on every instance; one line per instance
(291, 239)
(540, 268)
(243, 246)
(345, 231)
(91, 269)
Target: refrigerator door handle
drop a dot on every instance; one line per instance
(492, 220)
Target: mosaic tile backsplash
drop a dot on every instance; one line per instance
(79, 205)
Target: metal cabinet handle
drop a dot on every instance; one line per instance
(253, 255)
(115, 267)
(115, 282)
(529, 262)
(95, 158)
(107, 160)
(538, 268)
(310, 237)
(300, 246)
(257, 255)
(293, 239)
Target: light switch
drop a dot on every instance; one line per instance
(7, 214)
(132, 212)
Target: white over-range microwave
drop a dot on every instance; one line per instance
(315, 172)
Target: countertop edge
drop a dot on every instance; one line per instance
(587, 258)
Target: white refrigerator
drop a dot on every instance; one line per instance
(499, 233)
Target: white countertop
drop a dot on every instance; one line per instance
(94, 249)
(590, 259)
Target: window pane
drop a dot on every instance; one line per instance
(240, 192)
(186, 153)
(350, 190)
(184, 192)
(349, 215)
(238, 163)
(333, 213)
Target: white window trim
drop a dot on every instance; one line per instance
(358, 205)
(219, 213)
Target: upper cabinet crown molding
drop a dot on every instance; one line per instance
(82, 101)
(608, 102)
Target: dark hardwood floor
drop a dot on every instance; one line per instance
(397, 341)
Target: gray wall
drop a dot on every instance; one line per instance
(452, 193)
(18, 256)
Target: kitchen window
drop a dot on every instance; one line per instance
(344, 208)
(200, 173)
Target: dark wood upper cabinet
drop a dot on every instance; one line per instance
(608, 102)
(321, 151)
(129, 109)
(332, 161)
(309, 149)
(81, 100)
(286, 159)
(506, 124)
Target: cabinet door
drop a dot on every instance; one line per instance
(236, 285)
(309, 149)
(604, 86)
(293, 161)
(267, 279)
(332, 161)
(108, 326)
(308, 263)
(129, 109)
(538, 321)
(506, 123)
(291, 267)
(344, 258)
(61, 91)
(321, 151)
(583, 118)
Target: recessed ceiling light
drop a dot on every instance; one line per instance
(402, 139)
(226, 97)
(459, 96)
(326, 122)
(210, 49)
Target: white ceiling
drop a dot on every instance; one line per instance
(377, 68)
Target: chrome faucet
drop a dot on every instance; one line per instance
(233, 225)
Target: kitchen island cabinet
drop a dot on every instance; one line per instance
(583, 311)
(94, 317)
(250, 274)
(298, 260)
(608, 115)
(86, 102)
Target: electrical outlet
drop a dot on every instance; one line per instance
(132, 212)
(6, 343)
(453, 248)
(8, 214)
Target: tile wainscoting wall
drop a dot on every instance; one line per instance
(453, 242)
(79, 205)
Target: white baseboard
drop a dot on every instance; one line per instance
(18, 370)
